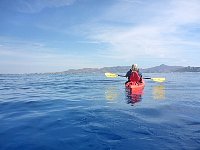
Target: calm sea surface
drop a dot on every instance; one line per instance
(92, 112)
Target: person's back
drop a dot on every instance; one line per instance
(135, 77)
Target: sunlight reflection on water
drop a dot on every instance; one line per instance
(158, 92)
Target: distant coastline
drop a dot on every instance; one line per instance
(123, 69)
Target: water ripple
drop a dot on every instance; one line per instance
(91, 112)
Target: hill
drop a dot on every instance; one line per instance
(123, 69)
(162, 69)
(188, 69)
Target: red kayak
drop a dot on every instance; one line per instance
(135, 88)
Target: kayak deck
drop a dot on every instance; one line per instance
(135, 88)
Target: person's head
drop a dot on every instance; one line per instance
(134, 67)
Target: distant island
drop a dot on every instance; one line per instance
(123, 69)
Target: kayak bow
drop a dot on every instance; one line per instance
(135, 88)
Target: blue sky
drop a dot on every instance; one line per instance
(57, 35)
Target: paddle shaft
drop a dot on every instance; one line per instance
(113, 75)
(125, 76)
(146, 78)
(121, 75)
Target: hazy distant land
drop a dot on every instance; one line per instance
(123, 69)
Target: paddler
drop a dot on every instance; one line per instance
(133, 74)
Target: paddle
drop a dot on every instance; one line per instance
(113, 75)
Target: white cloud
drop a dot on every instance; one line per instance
(160, 33)
(130, 30)
(184, 12)
(31, 59)
(33, 6)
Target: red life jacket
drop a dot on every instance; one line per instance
(134, 77)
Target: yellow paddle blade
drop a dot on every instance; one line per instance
(158, 79)
(111, 75)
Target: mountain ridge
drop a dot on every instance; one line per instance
(123, 69)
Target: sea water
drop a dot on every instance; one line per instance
(92, 112)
